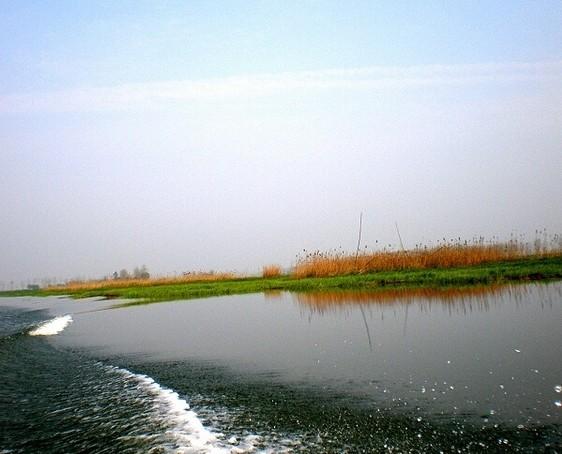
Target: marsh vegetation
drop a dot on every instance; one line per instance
(446, 253)
(447, 264)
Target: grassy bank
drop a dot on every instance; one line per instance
(525, 269)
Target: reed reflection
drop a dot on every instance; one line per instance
(454, 299)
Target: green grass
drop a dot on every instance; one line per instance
(527, 269)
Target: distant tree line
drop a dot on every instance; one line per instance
(137, 273)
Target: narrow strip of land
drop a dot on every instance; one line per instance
(546, 268)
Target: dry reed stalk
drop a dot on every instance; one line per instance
(270, 271)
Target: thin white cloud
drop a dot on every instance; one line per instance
(158, 94)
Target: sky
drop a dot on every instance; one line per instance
(197, 135)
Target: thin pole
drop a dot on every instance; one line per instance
(359, 238)
(399, 237)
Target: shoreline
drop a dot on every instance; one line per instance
(520, 270)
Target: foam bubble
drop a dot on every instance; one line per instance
(51, 327)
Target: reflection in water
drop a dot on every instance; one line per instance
(454, 299)
(366, 328)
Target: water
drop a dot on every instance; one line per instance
(422, 371)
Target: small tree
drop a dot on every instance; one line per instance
(144, 274)
(141, 273)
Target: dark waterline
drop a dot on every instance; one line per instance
(451, 370)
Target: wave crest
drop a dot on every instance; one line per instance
(185, 429)
(51, 327)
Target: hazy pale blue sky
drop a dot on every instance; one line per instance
(228, 135)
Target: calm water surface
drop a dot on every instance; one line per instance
(474, 370)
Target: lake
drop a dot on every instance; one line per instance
(463, 370)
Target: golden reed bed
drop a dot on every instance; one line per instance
(448, 255)
(78, 285)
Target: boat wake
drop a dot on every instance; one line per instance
(51, 327)
(185, 432)
(178, 428)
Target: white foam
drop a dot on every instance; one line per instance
(51, 327)
(186, 430)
